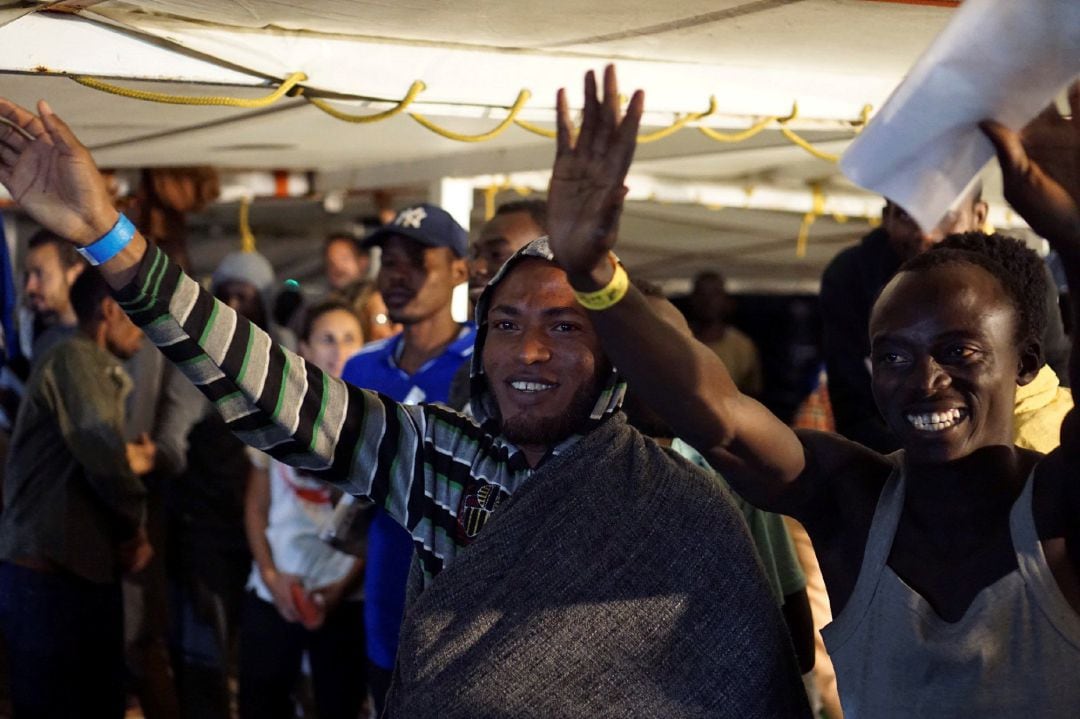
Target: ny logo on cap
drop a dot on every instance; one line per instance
(412, 217)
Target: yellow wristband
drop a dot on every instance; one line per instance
(609, 295)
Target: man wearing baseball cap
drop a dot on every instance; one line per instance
(423, 259)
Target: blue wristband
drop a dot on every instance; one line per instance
(110, 245)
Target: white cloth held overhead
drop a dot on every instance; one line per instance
(1000, 60)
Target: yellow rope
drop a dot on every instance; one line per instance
(535, 129)
(800, 142)
(247, 237)
(293, 80)
(415, 89)
(522, 98)
(864, 118)
(737, 136)
(749, 132)
(646, 138)
(290, 82)
(489, 200)
(679, 124)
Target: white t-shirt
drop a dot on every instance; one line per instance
(299, 507)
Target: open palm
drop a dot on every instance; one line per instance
(586, 192)
(51, 175)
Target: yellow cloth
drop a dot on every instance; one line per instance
(1041, 405)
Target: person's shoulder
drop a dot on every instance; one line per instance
(75, 353)
(370, 354)
(740, 338)
(1056, 497)
(47, 341)
(843, 264)
(852, 258)
(378, 347)
(464, 344)
(832, 453)
(844, 466)
(75, 367)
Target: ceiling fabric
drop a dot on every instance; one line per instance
(757, 57)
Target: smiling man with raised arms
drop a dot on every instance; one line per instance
(565, 565)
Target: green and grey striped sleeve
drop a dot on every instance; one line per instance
(270, 397)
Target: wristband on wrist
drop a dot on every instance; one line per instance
(110, 244)
(611, 294)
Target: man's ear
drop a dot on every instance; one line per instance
(1031, 362)
(109, 310)
(72, 273)
(981, 210)
(459, 270)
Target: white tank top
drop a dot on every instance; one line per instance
(1014, 653)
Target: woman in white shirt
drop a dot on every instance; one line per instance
(303, 596)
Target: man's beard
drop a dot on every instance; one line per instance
(549, 431)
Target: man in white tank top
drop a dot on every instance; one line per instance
(953, 566)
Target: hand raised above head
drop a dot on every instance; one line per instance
(1041, 168)
(586, 192)
(51, 175)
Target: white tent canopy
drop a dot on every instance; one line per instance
(757, 58)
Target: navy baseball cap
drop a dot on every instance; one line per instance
(428, 224)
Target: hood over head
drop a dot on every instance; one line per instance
(484, 407)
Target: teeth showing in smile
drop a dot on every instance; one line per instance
(936, 421)
(530, 386)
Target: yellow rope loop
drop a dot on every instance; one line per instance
(522, 98)
(804, 234)
(864, 118)
(817, 209)
(490, 192)
(247, 237)
(801, 142)
(535, 129)
(415, 89)
(680, 123)
(733, 137)
(290, 82)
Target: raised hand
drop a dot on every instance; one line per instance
(51, 175)
(586, 193)
(1041, 168)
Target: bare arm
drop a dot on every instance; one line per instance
(256, 513)
(271, 398)
(1041, 169)
(676, 375)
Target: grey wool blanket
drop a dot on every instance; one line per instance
(619, 581)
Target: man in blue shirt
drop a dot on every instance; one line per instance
(423, 259)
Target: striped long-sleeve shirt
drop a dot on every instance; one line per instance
(434, 470)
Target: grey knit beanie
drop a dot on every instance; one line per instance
(250, 267)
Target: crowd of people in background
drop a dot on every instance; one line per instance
(280, 513)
